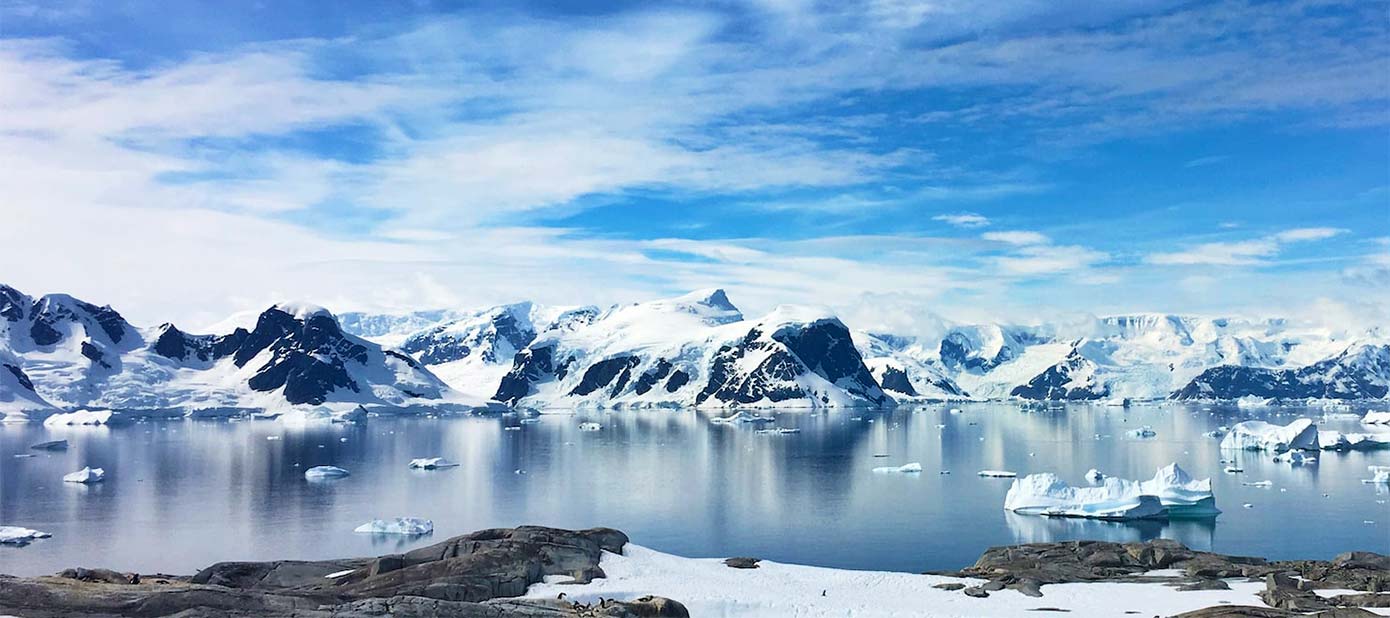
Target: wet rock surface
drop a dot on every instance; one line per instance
(467, 576)
(1289, 585)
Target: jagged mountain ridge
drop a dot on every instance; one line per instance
(75, 354)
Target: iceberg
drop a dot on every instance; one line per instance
(1338, 441)
(1142, 432)
(431, 463)
(1259, 484)
(911, 467)
(86, 475)
(1171, 493)
(1094, 476)
(81, 417)
(1183, 495)
(356, 415)
(1001, 474)
(410, 526)
(15, 535)
(1380, 475)
(51, 445)
(325, 472)
(1302, 434)
(1376, 418)
(590, 427)
(1296, 458)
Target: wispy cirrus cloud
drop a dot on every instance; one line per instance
(963, 219)
(1250, 252)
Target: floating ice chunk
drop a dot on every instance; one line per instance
(1338, 441)
(1252, 401)
(590, 427)
(1259, 484)
(1183, 495)
(15, 535)
(911, 467)
(779, 430)
(1296, 458)
(1170, 493)
(1094, 476)
(325, 472)
(410, 526)
(1376, 418)
(80, 417)
(530, 421)
(512, 428)
(431, 463)
(1234, 469)
(1262, 436)
(85, 475)
(1002, 474)
(1142, 432)
(955, 410)
(1046, 494)
(1248, 505)
(51, 445)
(1380, 475)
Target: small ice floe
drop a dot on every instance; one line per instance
(1296, 458)
(318, 473)
(1258, 484)
(80, 417)
(779, 431)
(409, 526)
(87, 474)
(15, 535)
(51, 445)
(272, 437)
(1302, 434)
(1376, 418)
(342, 439)
(1248, 505)
(590, 427)
(1234, 469)
(944, 472)
(998, 474)
(431, 463)
(1338, 441)
(25, 455)
(955, 410)
(1094, 476)
(1142, 433)
(1171, 493)
(530, 421)
(1252, 401)
(940, 426)
(512, 428)
(905, 468)
(1380, 475)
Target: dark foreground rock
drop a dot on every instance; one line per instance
(1289, 585)
(468, 576)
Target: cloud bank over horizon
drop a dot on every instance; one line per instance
(899, 162)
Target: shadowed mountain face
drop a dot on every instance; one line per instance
(1362, 372)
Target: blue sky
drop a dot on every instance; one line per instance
(898, 161)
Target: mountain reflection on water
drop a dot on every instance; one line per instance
(183, 494)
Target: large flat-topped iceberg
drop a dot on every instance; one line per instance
(408, 526)
(1338, 441)
(1376, 418)
(80, 417)
(1301, 434)
(1170, 493)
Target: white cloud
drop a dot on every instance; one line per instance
(1241, 253)
(964, 219)
(1052, 260)
(1017, 237)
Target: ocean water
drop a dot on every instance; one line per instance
(183, 494)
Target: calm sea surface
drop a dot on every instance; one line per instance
(183, 494)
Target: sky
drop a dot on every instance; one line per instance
(900, 162)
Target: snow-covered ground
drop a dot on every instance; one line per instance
(709, 588)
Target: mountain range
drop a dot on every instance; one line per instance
(59, 352)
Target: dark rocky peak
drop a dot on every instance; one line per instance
(172, 343)
(13, 304)
(494, 335)
(52, 310)
(1071, 379)
(292, 329)
(572, 319)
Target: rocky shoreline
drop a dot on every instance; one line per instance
(482, 575)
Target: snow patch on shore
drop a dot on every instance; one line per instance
(709, 588)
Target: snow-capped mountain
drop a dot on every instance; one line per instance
(695, 350)
(474, 351)
(1360, 372)
(392, 329)
(19, 402)
(75, 354)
